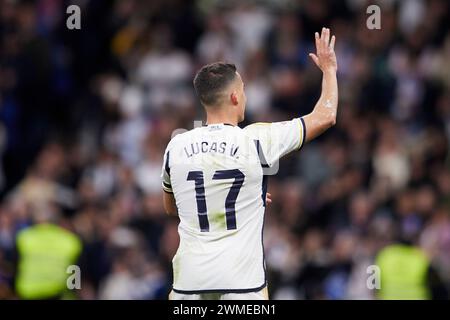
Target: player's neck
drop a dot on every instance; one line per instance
(221, 117)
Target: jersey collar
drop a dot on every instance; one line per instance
(225, 124)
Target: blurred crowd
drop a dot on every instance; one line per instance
(85, 116)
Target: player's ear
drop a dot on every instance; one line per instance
(234, 98)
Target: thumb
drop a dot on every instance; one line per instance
(314, 58)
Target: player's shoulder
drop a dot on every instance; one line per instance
(269, 129)
(257, 126)
(256, 129)
(182, 137)
(264, 126)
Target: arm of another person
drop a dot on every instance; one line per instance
(324, 114)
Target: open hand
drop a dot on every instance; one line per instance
(325, 57)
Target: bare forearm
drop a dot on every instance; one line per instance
(169, 204)
(326, 107)
(324, 114)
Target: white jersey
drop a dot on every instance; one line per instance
(216, 174)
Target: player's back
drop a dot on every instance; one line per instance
(217, 180)
(216, 175)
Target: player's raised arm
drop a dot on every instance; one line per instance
(324, 114)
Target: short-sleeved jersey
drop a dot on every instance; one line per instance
(216, 174)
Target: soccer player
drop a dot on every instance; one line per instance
(214, 179)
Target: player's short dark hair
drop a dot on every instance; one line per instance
(212, 79)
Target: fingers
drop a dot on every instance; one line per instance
(322, 37)
(327, 37)
(268, 197)
(324, 41)
(333, 40)
(317, 41)
(324, 47)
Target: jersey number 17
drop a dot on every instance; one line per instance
(230, 200)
